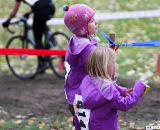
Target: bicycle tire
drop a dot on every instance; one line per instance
(22, 66)
(57, 62)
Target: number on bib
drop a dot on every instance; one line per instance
(83, 114)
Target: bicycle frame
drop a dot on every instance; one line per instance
(52, 40)
(27, 29)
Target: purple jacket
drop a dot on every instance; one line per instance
(103, 100)
(78, 51)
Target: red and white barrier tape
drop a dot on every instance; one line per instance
(38, 52)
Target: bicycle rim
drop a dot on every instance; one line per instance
(57, 62)
(22, 66)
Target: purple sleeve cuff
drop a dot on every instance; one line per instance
(139, 87)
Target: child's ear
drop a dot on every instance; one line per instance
(115, 48)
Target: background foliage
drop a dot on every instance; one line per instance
(131, 60)
(135, 62)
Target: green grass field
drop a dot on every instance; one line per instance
(104, 5)
(135, 62)
(125, 31)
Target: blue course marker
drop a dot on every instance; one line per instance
(155, 43)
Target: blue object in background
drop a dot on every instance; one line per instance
(155, 43)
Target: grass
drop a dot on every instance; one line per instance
(10, 122)
(57, 123)
(138, 60)
(104, 5)
(135, 62)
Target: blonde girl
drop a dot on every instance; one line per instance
(99, 97)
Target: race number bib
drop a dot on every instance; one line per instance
(83, 114)
(68, 68)
(31, 2)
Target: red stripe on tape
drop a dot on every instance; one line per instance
(39, 52)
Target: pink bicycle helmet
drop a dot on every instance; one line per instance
(77, 18)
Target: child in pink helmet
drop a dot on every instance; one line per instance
(79, 19)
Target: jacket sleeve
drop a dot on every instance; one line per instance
(125, 103)
(121, 89)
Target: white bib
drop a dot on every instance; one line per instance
(68, 68)
(31, 2)
(83, 114)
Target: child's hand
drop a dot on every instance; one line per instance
(75, 109)
(115, 48)
(128, 91)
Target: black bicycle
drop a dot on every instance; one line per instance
(27, 67)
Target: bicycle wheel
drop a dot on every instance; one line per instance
(57, 62)
(22, 66)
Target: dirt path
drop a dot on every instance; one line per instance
(45, 95)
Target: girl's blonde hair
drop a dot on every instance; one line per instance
(99, 61)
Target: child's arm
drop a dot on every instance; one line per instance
(94, 96)
(123, 91)
(125, 103)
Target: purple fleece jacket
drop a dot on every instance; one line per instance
(78, 50)
(104, 99)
